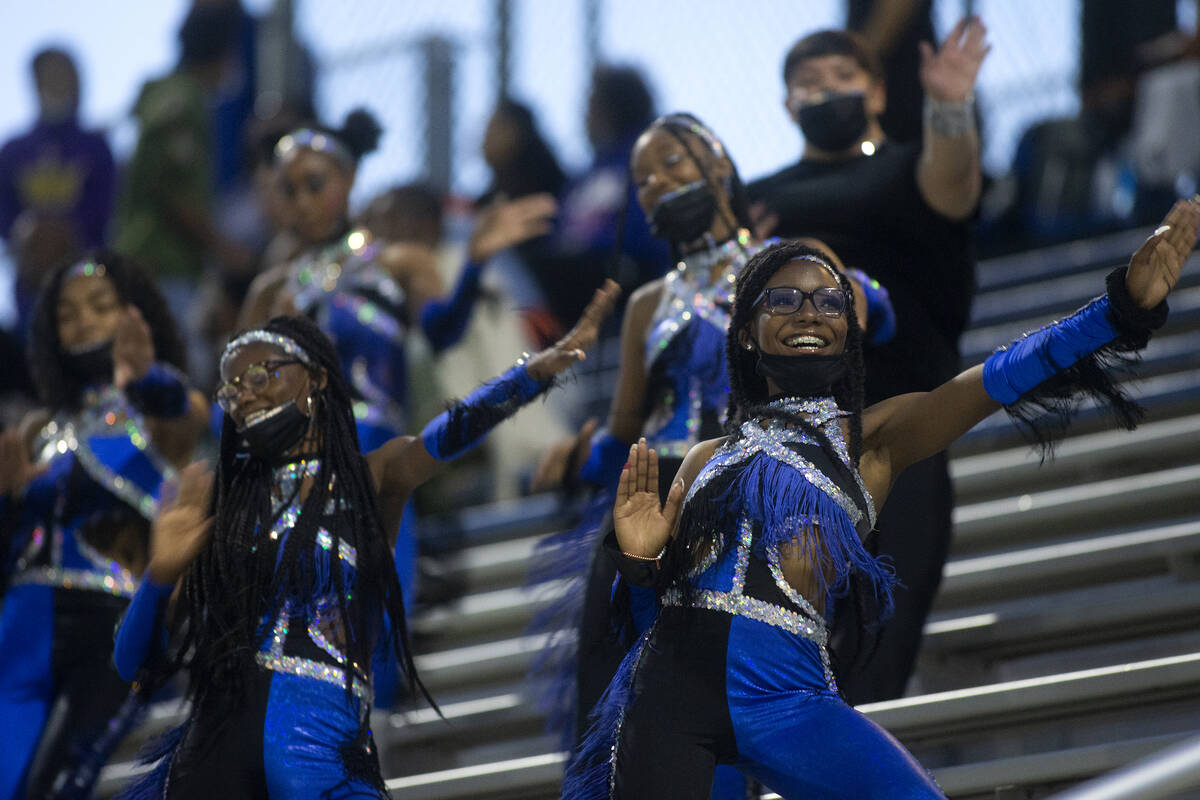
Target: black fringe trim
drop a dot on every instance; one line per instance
(1043, 414)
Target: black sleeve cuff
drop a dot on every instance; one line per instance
(634, 570)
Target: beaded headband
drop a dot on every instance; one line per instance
(265, 337)
(308, 139)
(691, 124)
(87, 269)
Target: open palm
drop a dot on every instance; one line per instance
(643, 525)
(573, 347)
(1155, 267)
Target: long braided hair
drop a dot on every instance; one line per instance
(57, 386)
(749, 398)
(241, 580)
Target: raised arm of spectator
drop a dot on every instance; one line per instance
(948, 173)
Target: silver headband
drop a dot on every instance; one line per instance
(265, 337)
(308, 139)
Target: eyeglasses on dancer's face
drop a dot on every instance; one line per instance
(256, 378)
(782, 300)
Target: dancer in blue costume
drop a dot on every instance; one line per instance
(366, 294)
(77, 492)
(672, 389)
(283, 580)
(762, 529)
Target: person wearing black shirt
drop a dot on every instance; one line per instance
(900, 212)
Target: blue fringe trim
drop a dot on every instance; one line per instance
(160, 752)
(590, 769)
(786, 503)
(564, 557)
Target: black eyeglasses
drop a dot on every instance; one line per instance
(780, 300)
(256, 378)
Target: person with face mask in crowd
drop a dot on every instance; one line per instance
(899, 211)
(282, 579)
(672, 390)
(79, 484)
(763, 529)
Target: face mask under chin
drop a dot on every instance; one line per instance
(89, 363)
(275, 432)
(684, 215)
(802, 375)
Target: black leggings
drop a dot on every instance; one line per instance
(93, 707)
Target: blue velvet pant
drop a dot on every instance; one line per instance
(296, 738)
(712, 688)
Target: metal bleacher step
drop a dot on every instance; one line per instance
(924, 723)
(1028, 517)
(996, 472)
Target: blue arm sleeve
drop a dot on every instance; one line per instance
(881, 317)
(604, 463)
(460, 429)
(444, 320)
(1010, 373)
(141, 628)
(161, 392)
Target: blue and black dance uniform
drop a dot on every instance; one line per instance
(73, 541)
(735, 668)
(295, 728)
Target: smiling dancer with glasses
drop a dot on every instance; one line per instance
(762, 531)
(278, 587)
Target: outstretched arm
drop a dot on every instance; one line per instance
(501, 225)
(180, 532)
(948, 173)
(404, 463)
(908, 428)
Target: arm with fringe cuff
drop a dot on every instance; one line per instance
(1047, 371)
(604, 462)
(141, 625)
(162, 392)
(461, 428)
(444, 320)
(881, 317)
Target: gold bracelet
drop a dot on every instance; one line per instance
(655, 559)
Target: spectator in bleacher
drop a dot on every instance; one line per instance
(600, 230)
(79, 483)
(165, 217)
(542, 278)
(58, 177)
(283, 709)
(764, 528)
(900, 212)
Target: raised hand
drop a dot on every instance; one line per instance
(16, 470)
(562, 456)
(643, 525)
(948, 75)
(1155, 267)
(511, 222)
(573, 347)
(182, 527)
(133, 348)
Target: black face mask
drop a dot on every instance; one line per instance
(276, 434)
(684, 215)
(802, 376)
(91, 363)
(835, 124)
